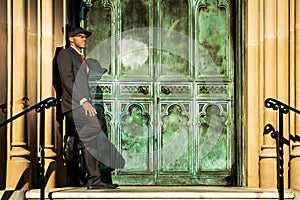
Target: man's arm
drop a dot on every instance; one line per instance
(66, 72)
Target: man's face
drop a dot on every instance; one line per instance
(78, 41)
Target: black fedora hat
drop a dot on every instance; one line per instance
(77, 30)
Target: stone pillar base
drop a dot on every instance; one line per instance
(18, 174)
(295, 168)
(50, 173)
(268, 168)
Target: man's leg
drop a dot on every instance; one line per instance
(71, 154)
(92, 166)
(88, 131)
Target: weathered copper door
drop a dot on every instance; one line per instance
(169, 89)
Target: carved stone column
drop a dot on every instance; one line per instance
(58, 42)
(282, 83)
(47, 51)
(3, 90)
(18, 166)
(295, 153)
(267, 164)
(252, 86)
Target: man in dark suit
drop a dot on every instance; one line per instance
(77, 107)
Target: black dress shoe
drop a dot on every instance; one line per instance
(102, 186)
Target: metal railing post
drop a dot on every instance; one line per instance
(280, 140)
(42, 153)
(280, 160)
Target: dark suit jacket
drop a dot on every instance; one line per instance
(74, 79)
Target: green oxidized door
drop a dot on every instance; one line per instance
(169, 90)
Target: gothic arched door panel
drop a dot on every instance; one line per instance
(168, 92)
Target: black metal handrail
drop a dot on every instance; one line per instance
(24, 101)
(39, 108)
(280, 140)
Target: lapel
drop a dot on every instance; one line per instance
(75, 54)
(78, 63)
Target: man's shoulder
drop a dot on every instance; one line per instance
(66, 52)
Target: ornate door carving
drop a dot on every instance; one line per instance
(169, 90)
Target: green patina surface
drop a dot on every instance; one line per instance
(169, 109)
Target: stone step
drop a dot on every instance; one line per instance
(161, 193)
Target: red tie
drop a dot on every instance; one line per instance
(82, 58)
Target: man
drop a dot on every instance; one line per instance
(77, 106)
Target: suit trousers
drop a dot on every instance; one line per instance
(96, 146)
(84, 124)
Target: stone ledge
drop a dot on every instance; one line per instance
(161, 192)
(12, 195)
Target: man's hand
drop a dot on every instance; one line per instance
(89, 109)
